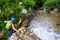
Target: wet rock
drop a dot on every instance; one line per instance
(42, 11)
(23, 34)
(55, 12)
(58, 24)
(24, 23)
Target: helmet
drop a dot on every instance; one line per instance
(13, 19)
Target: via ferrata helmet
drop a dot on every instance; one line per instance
(13, 19)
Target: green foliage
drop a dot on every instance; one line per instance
(58, 4)
(9, 8)
(29, 3)
(44, 1)
(5, 35)
(2, 25)
(51, 4)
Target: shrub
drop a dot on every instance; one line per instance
(50, 4)
(9, 8)
(2, 25)
(29, 3)
(58, 4)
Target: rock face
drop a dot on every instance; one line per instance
(23, 34)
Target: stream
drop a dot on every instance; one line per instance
(46, 26)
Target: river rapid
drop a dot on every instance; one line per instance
(46, 26)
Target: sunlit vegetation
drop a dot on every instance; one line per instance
(51, 4)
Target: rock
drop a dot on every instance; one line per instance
(54, 12)
(23, 34)
(24, 11)
(20, 3)
(42, 11)
(24, 23)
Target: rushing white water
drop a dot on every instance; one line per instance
(44, 27)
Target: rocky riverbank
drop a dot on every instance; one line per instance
(23, 34)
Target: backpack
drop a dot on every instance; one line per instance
(8, 26)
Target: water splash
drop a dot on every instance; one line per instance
(44, 27)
